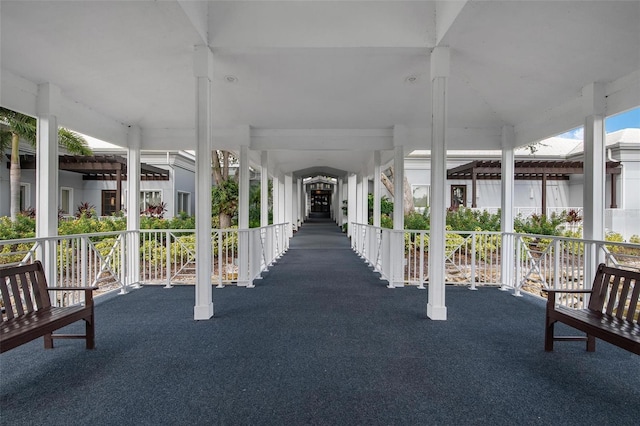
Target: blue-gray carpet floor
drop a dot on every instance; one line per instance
(321, 341)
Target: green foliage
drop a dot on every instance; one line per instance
(464, 219)
(23, 227)
(386, 222)
(616, 238)
(416, 221)
(224, 198)
(635, 239)
(540, 224)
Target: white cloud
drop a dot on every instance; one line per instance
(577, 134)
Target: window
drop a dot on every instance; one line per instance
(25, 196)
(108, 202)
(184, 204)
(147, 198)
(66, 200)
(421, 196)
(458, 196)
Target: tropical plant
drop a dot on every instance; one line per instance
(16, 127)
(224, 201)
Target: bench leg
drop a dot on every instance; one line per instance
(591, 343)
(48, 341)
(548, 336)
(90, 333)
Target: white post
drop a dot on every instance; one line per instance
(288, 200)
(506, 207)
(351, 203)
(436, 308)
(275, 185)
(359, 195)
(134, 139)
(243, 218)
(203, 72)
(339, 212)
(48, 101)
(301, 202)
(376, 188)
(594, 174)
(397, 237)
(264, 188)
(282, 200)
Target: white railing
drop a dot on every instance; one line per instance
(164, 257)
(476, 258)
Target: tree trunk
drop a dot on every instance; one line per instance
(14, 176)
(407, 202)
(225, 220)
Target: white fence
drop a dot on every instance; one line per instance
(531, 264)
(109, 259)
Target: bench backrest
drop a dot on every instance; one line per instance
(615, 292)
(23, 289)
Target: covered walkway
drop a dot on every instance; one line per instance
(319, 340)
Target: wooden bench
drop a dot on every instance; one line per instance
(27, 312)
(611, 315)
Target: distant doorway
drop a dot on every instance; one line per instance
(320, 202)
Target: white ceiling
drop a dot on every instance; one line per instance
(320, 84)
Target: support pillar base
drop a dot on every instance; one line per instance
(203, 312)
(438, 313)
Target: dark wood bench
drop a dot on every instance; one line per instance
(611, 315)
(27, 312)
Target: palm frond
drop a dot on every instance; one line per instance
(73, 142)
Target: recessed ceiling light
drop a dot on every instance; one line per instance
(411, 79)
(231, 78)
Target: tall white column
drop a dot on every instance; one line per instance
(301, 201)
(275, 187)
(506, 207)
(47, 174)
(359, 196)
(243, 218)
(351, 202)
(134, 140)
(203, 72)
(594, 104)
(282, 201)
(264, 188)
(288, 199)
(436, 308)
(340, 213)
(397, 240)
(376, 188)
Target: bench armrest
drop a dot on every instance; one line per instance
(72, 288)
(560, 290)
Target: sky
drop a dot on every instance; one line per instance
(625, 120)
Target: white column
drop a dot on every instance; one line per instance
(397, 240)
(359, 195)
(506, 206)
(351, 202)
(376, 188)
(243, 218)
(134, 140)
(340, 197)
(275, 196)
(594, 172)
(203, 72)
(264, 188)
(48, 102)
(301, 201)
(282, 201)
(436, 308)
(288, 199)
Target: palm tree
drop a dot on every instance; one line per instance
(14, 127)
